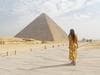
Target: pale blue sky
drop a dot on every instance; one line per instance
(82, 15)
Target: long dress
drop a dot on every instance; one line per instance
(73, 49)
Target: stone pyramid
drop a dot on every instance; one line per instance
(43, 28)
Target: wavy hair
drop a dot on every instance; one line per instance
(72, 35)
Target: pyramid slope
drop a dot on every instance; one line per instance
(44, 29)
(58, 33)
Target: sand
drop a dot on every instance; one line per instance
(48, 59)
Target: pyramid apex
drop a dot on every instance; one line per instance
(43, 14)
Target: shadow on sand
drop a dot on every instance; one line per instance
(47, 67)
(51, 66)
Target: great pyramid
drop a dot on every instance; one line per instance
(43, 28)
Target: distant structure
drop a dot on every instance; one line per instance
(43, 28)
(86, 40)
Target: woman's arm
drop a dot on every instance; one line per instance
(77, 41)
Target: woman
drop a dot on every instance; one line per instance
(73, 45)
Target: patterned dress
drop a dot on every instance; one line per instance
(73, 49)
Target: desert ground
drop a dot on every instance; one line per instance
(37, 58)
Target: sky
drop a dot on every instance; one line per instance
(81, 15)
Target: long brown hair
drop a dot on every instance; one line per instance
(73, 35)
